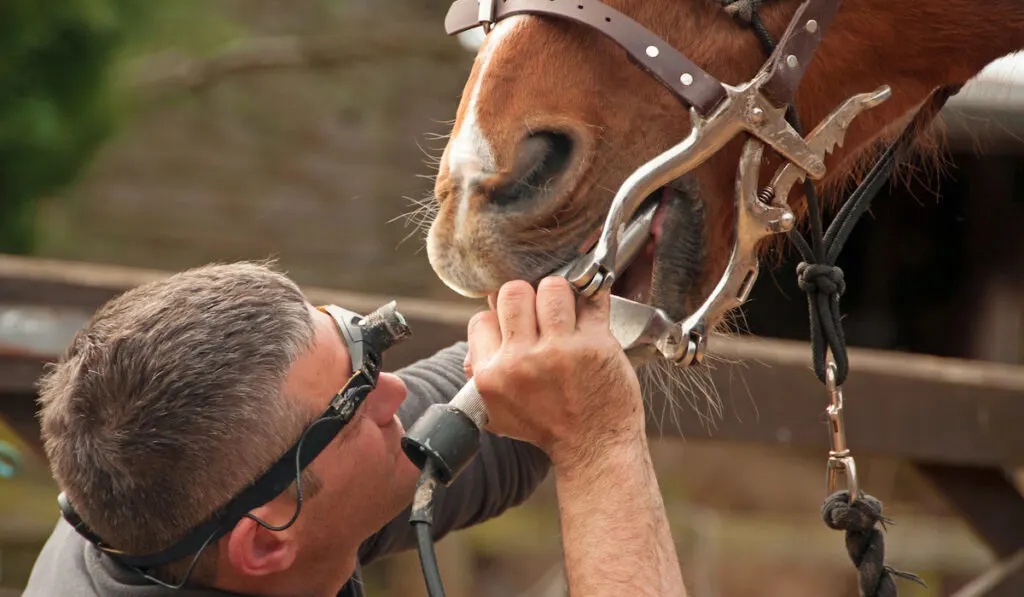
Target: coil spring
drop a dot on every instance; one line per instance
(766, 195)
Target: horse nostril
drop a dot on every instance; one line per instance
(543, 155)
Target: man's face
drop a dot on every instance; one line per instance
(366, 478)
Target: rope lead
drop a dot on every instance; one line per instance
(822, 280)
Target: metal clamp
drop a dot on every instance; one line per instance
(829, 134)
(744, 109)
(839, 458)
(757, 216)
(639, 327)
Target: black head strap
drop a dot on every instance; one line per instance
(269, 485)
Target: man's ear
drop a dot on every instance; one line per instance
(256, 551)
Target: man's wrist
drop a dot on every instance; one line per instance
(593, 451)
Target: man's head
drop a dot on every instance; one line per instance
(179, 393)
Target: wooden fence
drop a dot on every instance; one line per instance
(957, 421)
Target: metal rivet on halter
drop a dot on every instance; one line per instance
(486, 14)
(839, 458)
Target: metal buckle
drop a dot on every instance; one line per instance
(486, 14)
(839, 458)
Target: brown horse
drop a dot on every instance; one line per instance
(555, 116)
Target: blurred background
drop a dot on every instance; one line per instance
(164, 135)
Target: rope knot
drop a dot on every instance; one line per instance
(821, 278)
(864, 542)
(860, 516)
(741, 10)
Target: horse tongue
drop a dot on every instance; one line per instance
(658, 223)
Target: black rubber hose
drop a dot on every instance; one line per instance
(422, 519)
(428, 561)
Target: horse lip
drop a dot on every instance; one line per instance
(679, 252)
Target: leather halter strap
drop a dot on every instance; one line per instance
(796, 47)
(694, 86)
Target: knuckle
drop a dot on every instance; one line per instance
(553, 283)
(480, 318)
(488, 383)
(516, 290)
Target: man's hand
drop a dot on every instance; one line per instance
(551, 373)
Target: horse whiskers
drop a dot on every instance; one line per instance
(672, 383)
(420, 217)
(733, 323)
(695, 384)
(432, 161)
(438, 136)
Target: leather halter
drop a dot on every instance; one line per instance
(691, 84)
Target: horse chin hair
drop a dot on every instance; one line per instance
(684, 392)
(689, 391)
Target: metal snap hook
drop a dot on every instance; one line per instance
(848, 468)
(839, 458)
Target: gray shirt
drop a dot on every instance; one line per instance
(502, 476)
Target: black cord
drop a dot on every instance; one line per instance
(188, 571)
(264, 524)
(298, 480)
(428, 560)
(422, 519)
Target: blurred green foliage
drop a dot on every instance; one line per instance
(55, 98)
(59, 98)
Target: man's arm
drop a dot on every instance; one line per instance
(551, 373)
(502, 476)
(616, 541)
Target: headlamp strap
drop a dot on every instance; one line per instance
(272, 483)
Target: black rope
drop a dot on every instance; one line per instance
(822, 280)
(864, 542)
(818, 275)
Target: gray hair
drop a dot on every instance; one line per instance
(169, 401)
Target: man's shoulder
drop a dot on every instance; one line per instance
(60, 567)
(70, 566)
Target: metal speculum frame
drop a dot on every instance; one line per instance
(718, 112)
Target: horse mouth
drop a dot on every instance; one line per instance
(665, 274)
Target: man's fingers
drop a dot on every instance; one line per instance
(517, 313)
(556, 307)
(594, 310)
(484, 338)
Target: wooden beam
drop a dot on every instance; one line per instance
(987, 499)
(1004, 579)
(916, 407)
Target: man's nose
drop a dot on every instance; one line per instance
(383, 402)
